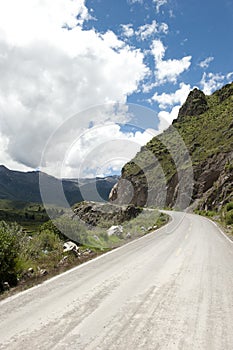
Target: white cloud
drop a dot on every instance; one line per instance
(205, 63)
(111, 40)
(175, 100)
(101, 148)
(166, 118)
(148, 30)
(158, 50)
(49, 73)
(167, 70)
(5, 159)
(213, 81)
(127, 30)
(178, 97)
(163, 28)
(25, 21)
(170, 70)
(159, 3)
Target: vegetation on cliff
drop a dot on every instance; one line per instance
(205, 124)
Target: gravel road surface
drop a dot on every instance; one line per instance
(171, 289)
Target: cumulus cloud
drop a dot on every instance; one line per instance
(213, 81)
(205, 63)
(158, 50)
(127, 30)
(51, 68)
(174, 101)
(167, 70)
(25, 21)
(6, 159)
(166, 117)
(178, 97)
(148, 30)
(101, 148)
(170, 70)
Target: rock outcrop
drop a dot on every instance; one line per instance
(94, 214)
(157, 173)
(196, 104)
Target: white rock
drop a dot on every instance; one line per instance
(128, 236)
(63, 260)
(70, 246)
(43, 272)
(6, 286)
(115, 230)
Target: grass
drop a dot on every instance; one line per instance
(29, 215)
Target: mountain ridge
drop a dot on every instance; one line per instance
(25, 186)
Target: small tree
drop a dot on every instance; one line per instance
(9, 250)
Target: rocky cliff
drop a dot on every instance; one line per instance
(195, 152)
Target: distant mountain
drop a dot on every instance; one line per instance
(205, 124)
(24, 186)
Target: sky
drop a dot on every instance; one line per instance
(84, 84)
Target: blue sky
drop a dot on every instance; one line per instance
(65, 58)
(200, 29)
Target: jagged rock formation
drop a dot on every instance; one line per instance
(161, 173)
(196, 104)
(94, 214)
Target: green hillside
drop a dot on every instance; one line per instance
(205, 124)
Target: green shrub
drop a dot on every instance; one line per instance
(229, 217)
(10, 240)
(229, 206)
(49, 225)
(47, 240)
(72, 229)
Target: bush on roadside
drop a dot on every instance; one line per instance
(72, 229)
(11, 236)
(229, 206)
(19, 252)
(229, 217)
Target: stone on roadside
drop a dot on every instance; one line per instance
(43, 272)
(70, 247)
(128, 236)
(63, 261)
(115, 230)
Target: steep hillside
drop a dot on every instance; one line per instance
(166, 166)
(20, 186)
